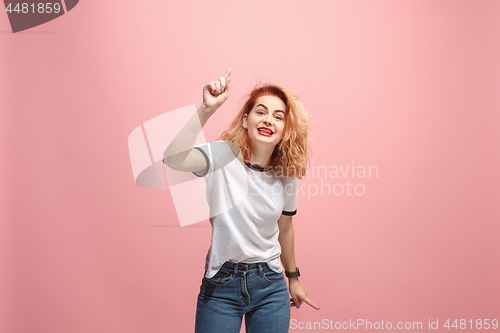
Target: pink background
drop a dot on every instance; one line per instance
(408, 86)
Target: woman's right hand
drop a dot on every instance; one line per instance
(215, 93)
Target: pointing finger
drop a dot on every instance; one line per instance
(228, 85)
(228, 73)
(308, 301)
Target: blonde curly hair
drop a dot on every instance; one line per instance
(291, 156)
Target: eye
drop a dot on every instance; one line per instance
(260, 112)
(279, 118)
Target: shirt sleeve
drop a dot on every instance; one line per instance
(204, 149)
(217, 154)
(290, 203)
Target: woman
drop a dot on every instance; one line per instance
(252, 175)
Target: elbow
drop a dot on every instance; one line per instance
(167, 159)
(168, 162)
(172, 163)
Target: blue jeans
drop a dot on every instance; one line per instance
(253, 290)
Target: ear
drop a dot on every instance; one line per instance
(245, 125)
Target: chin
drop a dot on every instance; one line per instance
(265, 140)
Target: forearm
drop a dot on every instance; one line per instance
(185, 140)
(286, 239)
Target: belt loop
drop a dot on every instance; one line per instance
(261, 270)
(235, 269)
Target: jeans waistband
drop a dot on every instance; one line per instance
(239, 266)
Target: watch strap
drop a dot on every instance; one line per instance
(293, 274)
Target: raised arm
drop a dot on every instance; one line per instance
(180, 154)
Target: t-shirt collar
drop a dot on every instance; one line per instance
(256, 168)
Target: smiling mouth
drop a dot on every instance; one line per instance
(265, 132)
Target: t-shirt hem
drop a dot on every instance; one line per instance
(274, 264)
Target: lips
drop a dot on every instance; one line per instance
(265, 131)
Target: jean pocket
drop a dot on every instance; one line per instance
(220, 279)
(273, 277)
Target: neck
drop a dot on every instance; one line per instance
(260, 156)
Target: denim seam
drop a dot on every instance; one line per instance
(274, 281)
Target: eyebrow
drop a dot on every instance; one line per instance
(265, 107)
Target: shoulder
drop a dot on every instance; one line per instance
(225, 148)
(287, 180)
(290, 184)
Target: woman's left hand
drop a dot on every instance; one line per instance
(298, 294)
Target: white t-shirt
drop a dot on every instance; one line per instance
(245, 204)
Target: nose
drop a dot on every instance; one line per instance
(267, 120)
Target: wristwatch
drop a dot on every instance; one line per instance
(293, 274)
